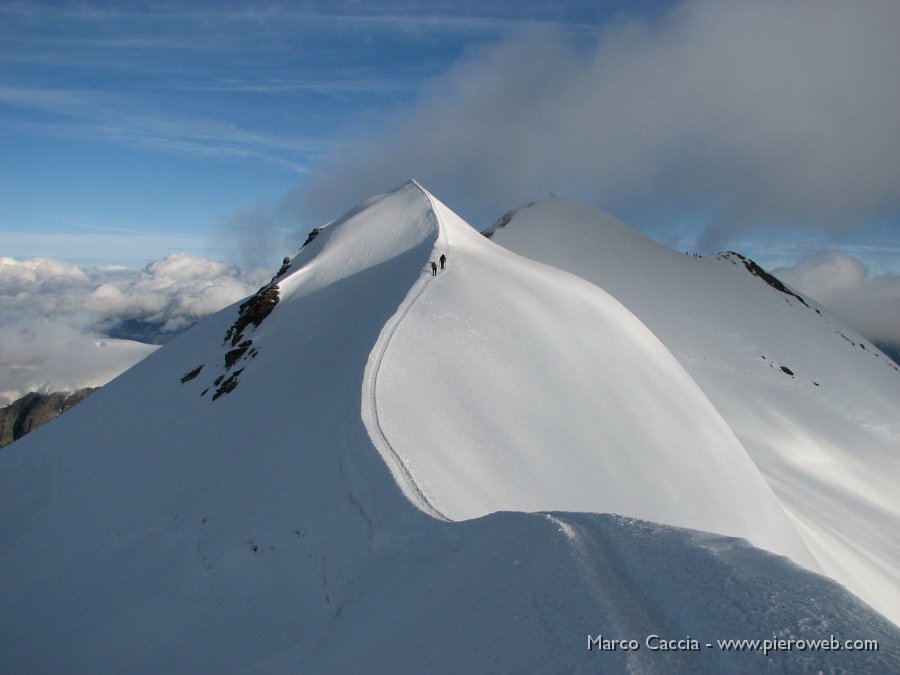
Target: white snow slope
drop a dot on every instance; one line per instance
(825, 432)
(156, 528)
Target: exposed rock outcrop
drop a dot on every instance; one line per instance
(34, 409)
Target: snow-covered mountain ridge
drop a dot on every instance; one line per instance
(275, 527)
(510, 385)
(815, 405)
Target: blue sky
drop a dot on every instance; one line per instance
(227, 130)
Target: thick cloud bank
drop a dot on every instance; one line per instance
(63, 327)
(749, 115)
(842, 283)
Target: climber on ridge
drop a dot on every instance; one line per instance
(443, 260)
(433, 268)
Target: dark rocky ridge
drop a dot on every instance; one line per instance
(34, 409)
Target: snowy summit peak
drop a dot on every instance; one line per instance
(564, 222)
(409, 410)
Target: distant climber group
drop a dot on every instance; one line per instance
(434, 267)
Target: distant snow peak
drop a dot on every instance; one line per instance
(808, 398)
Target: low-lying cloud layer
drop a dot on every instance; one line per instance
(749, 115)
(840, 282)
(62, 327)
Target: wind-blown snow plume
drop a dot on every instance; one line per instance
(750, 115)
(62, 327)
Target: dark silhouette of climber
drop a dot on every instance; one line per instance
(433, 268)
(443, 260)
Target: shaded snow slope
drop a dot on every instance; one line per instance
(154, 529)
(521, 593)
(503, 384)
(813, 402)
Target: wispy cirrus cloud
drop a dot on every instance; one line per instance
(273, 82)
(110, 118)
(421, 18)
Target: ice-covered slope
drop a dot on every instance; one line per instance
(221, 507)
(814, 403)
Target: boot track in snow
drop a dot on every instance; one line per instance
(398, 467)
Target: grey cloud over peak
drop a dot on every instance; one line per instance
(756, 113)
